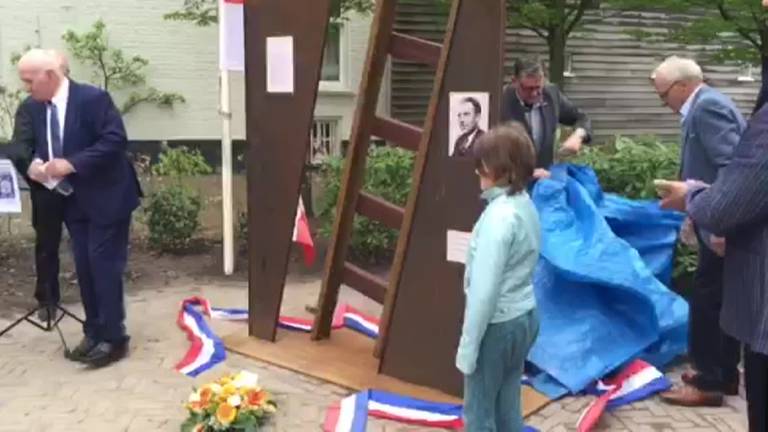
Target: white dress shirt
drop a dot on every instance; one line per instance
(59, 99)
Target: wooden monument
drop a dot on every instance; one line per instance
(422, 299)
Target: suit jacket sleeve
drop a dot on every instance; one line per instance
(717, 130)
(110, 141)
(739, 196)
(23, 141)
(507, 112)
(572, 116)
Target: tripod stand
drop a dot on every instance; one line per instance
(51, 323)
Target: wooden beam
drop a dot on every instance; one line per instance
(278, 128)
(380, 210)
(396, 132)
(365, 282)
(409, 48)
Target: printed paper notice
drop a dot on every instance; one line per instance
(457, 245)
(10, 198)
(280, 64)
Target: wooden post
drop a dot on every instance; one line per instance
(278, 132)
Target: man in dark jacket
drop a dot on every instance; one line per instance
(541, 108)
(47, 210)
(736, 206)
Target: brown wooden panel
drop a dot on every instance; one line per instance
(354, 168)
(418, 349)
(380, 210)
(364, 282)
(396, 132)
(278, 128)
(409, 48)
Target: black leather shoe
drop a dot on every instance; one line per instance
(82, 350)
(106, 353)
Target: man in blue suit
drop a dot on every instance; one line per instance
(80, 152)
(711, 126)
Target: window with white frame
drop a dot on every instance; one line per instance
(331, 69)
(324, 141)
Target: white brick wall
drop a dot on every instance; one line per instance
(183, 59)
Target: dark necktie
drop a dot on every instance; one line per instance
(55, 127)
(57, 148)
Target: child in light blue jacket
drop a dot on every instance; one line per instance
(500, 321)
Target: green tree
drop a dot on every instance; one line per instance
(114, 70)
(552, 20)
(738, 27)
(205, 12)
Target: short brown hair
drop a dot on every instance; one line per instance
(506, 152)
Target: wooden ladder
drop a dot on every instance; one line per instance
(383, 42)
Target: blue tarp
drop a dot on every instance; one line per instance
(602, 283)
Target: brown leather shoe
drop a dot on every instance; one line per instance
(689, 377)
(692, 397)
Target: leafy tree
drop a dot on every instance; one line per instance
(205, 12)
(114, 70)
(738, 27)
(552, 20)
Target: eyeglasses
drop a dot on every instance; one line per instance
(663, 95)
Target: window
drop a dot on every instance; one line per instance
(324, 141)
(331, 70)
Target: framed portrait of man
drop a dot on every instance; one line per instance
(468, 121)
(10, 200)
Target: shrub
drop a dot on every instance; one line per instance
(173, 217)
(388, 175)
(628, 167)
(173, 211)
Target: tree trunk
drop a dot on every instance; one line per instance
(556, 42)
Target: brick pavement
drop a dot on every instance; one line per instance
(41, 391)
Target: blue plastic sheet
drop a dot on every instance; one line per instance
(601, 283)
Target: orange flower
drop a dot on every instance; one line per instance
(196, 406)
(206, 394)
(226, 414)
(256, 398)
(199, 428)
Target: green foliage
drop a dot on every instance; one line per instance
(181, 162)
(173, 218)
(628, 167)
(388, 176)
(114, 70)
(9, 102)
(205, 12)
(173, 211)
(738, 27)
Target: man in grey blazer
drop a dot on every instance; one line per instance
(736, 206)
(711, 126)
(541, 108)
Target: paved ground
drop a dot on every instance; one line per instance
(41, 391)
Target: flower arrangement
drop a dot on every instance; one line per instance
(234, 402)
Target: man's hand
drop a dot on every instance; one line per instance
(572, 145)
(672, 194)
(36, 172)
(540, 173)
(58, 168)
(718, 245)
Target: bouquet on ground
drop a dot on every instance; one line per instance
(234, 402)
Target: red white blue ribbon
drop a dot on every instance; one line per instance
(351, 414)
(637, 381)
(207, 350)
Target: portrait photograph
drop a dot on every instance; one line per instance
(468, 121)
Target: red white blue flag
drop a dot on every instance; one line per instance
(637, 381)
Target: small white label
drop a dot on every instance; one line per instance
(457, 245)
(280, 64)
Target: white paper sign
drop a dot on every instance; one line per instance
(10, 198)
(457, 245)
(280, 64)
